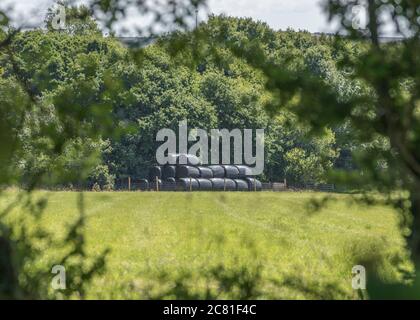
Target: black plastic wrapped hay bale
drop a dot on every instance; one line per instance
(244, 171)
(168, 171)
(187, 172)
(230, 185)
(205, 172)
(223, 184)
(152, 185)
(254, 184)
(169, 184)
(204, 184)
(231, 172)
(218, 184)
(218, 171)
(188, 184)
(154, 172)
(241, 185)
(143, 185)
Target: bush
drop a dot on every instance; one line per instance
(96, 187)
(101, 176)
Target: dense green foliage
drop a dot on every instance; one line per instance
(156, 91)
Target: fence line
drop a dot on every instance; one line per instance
(133, 184)
(141, 185)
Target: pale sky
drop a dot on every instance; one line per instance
(279, 14)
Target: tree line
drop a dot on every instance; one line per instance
(148, 89)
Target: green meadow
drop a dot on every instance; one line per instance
(228, 245)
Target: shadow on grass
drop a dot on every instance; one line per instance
(240, 283)
(220, 282)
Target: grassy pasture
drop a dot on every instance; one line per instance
(228, 245)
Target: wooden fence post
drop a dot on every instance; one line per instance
(190, 184)
(157, 183)
(129, 183)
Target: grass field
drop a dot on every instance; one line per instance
(229, 245)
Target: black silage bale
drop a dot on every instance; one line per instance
(231, 172)
(218, 171)
(169, 184)
(241, 185)
(205, 172)
(187, 172)
(244, 171)
(221, 184)
(152, 185)
(143, 184)
(204, 184)
(168, 171)
(188, 184)
(254, 184)
(230, 184)
(154, 172)
(217, 184)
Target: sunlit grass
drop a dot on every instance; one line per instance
(229, 245)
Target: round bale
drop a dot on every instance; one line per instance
(187, 172)
(169, 184)
(154, 172)
(152, 185)
(254, 184)
(221, 184)
(244, 171)
(241, 185)
(218, 171)
(205, 172)
(204, 184)
(230, 185)
(217, 184)
(231, 172)
(188, 184)
(143, 184)
(168, 171)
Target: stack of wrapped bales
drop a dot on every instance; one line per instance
(189, 175)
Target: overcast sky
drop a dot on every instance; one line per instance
(279, 14)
